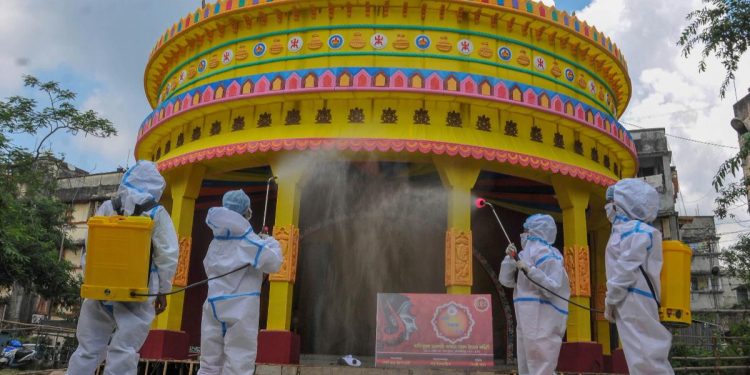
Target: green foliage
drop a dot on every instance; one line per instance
(722, 27)
(732, 192)
(736, 259)
(32, 220)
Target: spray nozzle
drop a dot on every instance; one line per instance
(480, 202)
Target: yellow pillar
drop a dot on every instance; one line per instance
(573, 199)
(184, 188)
(286, 231)
(458, 177)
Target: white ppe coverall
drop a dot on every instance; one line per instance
(117, 330)
(541, 316)
(229, 327)
(633, 243)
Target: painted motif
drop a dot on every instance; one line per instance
(378, 40)
(422, 41)
(335, 41)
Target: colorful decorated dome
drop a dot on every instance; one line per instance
(510, 82)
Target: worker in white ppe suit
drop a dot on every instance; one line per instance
(117, 330)
(229, 327)
(541, 316)
(634, 248)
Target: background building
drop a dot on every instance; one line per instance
(655, 166)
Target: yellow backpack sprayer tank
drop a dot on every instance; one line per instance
(675, 285)
(118, 253)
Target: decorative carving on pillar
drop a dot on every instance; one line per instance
(458, 257)
(183, 265)
(288, 237)
(577, 267)
(600, 292)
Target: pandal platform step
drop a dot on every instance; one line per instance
(190, 367)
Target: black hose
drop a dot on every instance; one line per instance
(134, 294)
(561, 297)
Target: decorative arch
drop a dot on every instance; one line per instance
(451, 83)
(515, 94)
(557, 104)
(208, 95)
(530, 96)
(219, 93)
(380, 80)
(311, 80)
(399, 80)
(327, 79)
(277, 84)
(233, 89)
(501, 91)
(468, 85)
(543, 100)
(262, 85)
(416, 81)
(247, 87)
(345, 79)
(485, 88)
(362, 79)
(434, 82)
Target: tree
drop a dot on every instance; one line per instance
(32, 220)
(722, 27)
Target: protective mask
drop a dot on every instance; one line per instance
(524, 239)
(611, 210)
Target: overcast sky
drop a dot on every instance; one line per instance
(99, 49)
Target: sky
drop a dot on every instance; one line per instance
(99, 49)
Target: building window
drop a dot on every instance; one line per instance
(699, 283)
(742, 297)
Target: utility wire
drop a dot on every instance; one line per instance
(683, 138)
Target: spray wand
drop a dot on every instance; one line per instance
(264, 228)
(480, 203)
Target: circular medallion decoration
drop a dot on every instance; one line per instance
(540, 64)
(259, 49)
(482, 304)
(452, 322)
(335, 41)
(422, 41)
(202, 65)
(569, 75)
(465, 46)
(504, 53)
(183, 75)
(294, 44)
(227, 56)
(378, 40)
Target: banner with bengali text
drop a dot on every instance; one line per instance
(434, 330)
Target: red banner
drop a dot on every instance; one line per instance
(434, 330)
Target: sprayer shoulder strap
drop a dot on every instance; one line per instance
(139, 208)
(650, 286)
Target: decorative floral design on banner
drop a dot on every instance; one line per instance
(452, 322)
